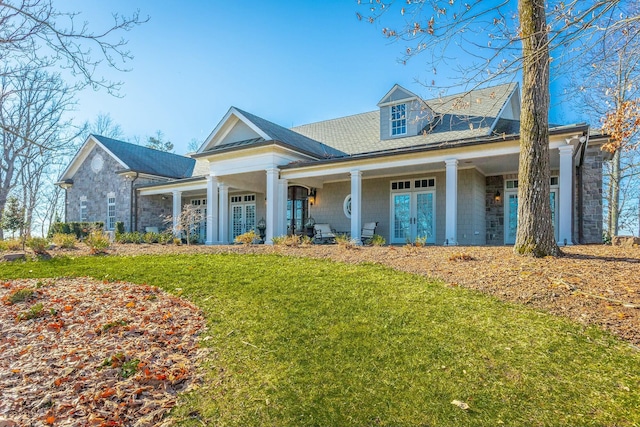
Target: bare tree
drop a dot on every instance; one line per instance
(32, 134)
(496, 49)
(36, 33)
(104, 125)
(607, 81)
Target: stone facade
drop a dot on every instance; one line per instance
(591, 215)
(95, 180)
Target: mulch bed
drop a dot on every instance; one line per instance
(79, 352)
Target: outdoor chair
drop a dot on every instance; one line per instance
(368, 230)
(323, 233)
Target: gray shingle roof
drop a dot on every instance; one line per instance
(458, 117)
(293, 139)
(147, 160)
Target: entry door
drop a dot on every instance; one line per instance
(201, 227)
(243, 218)
(511, 214)
(412, 216)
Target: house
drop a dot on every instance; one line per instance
(444, 170)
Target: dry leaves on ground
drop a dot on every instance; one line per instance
(84, 352)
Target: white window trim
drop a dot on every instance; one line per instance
(111, 225)
(392, 120)
(84, 210)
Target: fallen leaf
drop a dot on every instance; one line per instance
(460, 404)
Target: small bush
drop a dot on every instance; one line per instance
(13, 244)
(38, 245)
(64, 240)
(420, 242)
(20, 295)
(32, 313)
(80, 229)
(151, 237)
(459, 256)
(177, 241)
(246, 238)
(164, 238)
(119, 227)
(3, 245)
(377, 240)
(344, 241)
(97, 241)
(278, 240)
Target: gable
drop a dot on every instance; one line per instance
(397, 94)
(131, 157)
(240, 129)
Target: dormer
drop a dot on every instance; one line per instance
(402, 113)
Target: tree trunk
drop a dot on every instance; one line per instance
(535, 229)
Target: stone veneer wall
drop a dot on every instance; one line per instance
(592, 215)
(95, 186)
(153, 211)
(494, 210)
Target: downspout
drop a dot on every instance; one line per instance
(133, 208)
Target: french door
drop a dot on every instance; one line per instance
(200, 229)
(511, 214)
(413, 216)
(243, 218)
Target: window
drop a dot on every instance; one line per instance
(398, 119)
(111, 211)
(401, 185)
(83, 209)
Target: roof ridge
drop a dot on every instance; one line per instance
(335, 118)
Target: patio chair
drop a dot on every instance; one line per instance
(323, 233)
(368, 230)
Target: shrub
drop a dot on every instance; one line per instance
(20, 295)
(151, 237)
(420, 242)
(376, 240)
(246, 238)
(278, 240)
(177, 241)
(38, 245)
(119, 227)
(64, 240)
(166, 237)
(97, 241)
(32, 313)
(344, 241)
(13, 244)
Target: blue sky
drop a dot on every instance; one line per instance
(288, 62)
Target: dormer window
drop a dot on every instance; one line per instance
(398, 119)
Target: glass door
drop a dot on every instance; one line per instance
(401, 217)
(200, 229)
(511, 215)
(424, 222)
(243, 218)
(413, 217)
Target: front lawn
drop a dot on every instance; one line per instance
(311, 342)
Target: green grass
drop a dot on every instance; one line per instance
(310, 342)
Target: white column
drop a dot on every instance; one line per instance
(451, 215)
(177, 210)
(212, 210)
(272, 204)
(283, 187)
(565, 204)
(223, 214)
(356, 205)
